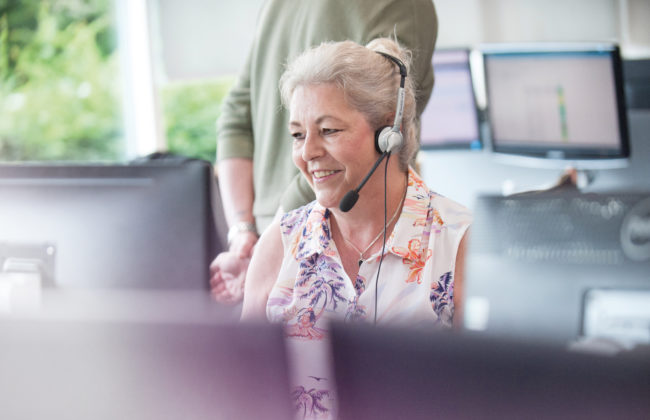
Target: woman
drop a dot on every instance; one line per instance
(318, 263)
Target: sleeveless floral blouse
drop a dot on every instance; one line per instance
(416, 284)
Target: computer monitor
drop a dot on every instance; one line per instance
(563, 103)
(139, 226)
(107, 370)
(540, 265)
(390, 373)
(450, 119)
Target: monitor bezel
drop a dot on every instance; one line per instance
(549, 157)
(89, 185)
(465, 144)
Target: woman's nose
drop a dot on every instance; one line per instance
(312, 147)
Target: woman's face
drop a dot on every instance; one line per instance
(333, 144)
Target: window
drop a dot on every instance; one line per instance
(199, 48)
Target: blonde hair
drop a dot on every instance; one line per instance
(369, 82)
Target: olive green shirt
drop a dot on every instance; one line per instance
(253, 123)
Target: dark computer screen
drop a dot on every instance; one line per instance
(557, 102)
(533, 258)
(109, 226)
(391, 373)
(450, 119)
(163, 370)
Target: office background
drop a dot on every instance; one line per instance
(194, 40)
(174, 61)
(188, 43)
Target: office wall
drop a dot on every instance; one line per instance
(468, 22)
(204, 39)
(198, 39)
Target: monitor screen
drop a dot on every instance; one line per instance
(109, 226)
(557, 102)
(450, 119)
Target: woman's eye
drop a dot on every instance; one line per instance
(297, 136)
(327, 131)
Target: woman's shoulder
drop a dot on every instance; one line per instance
(450, 214)
(444, 207)
(449, 209)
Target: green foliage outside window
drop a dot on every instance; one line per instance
(59, 95)
(190, 111)
(60, 87)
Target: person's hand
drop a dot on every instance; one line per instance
(243, 243)
(227, 274)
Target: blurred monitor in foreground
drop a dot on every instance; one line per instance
(138, 226)
(146, 371)
(562, 103)
(450, 120)
(555, 266)
(404, 374)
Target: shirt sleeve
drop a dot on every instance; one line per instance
(415, 25)
(235, 125)
(422, 40)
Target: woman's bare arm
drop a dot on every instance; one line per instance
(459, 282)
(262, 272)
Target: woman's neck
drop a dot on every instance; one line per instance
(360, 226)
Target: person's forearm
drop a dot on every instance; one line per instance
(236, 188)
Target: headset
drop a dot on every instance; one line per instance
(390, 138)
(387, 138)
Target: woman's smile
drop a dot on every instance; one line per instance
(323, 175)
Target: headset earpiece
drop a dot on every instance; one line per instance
(390, 138)
(377, 136)
(387, 139)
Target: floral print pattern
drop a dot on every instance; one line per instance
(414, 259)
(415, 285)
(309, 403)
(442, 295)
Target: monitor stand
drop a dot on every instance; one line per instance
(573, 178)
(570, 180)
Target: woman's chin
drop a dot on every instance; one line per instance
(328, 201)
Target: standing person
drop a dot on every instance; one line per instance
(393, 258)
(255, 172)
